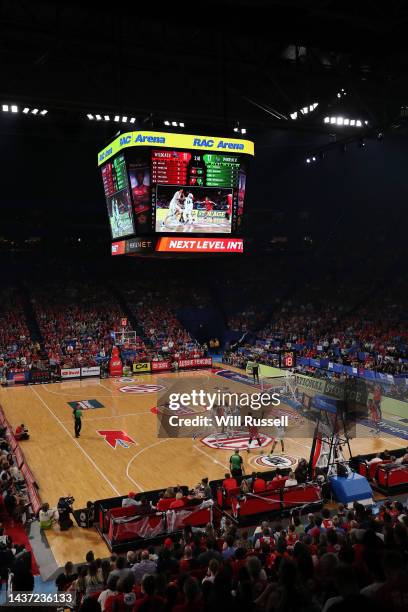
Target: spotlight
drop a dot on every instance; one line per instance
(361, 143)
(132, 120)
(308, 160)
(305, 110)
(90, 116)
(106, 117)
(236, 129)
(347, 122)
(313, 158)
(352, 122)
(332, 119)
(181, 124)
(98, 117)
(43, 112)
(167, 123)
(34, 111)
(14, 108)
(340, 120)
(124, 119)
(243, 131)
(293, 115)
(117, 118)
(358, 123)
(5, 108)
(26, 110)
(326, 120)
(174, 123)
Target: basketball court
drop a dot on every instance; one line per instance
(119, 451)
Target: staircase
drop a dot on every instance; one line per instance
(121, 300)
(31, 318)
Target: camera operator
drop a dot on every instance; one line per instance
(65, 509)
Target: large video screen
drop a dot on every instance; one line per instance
(192, 209)
(118, 198)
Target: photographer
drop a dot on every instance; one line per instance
(65, 508)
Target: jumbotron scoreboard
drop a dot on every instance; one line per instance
(178, 193)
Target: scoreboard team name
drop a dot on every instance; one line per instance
(222, 144)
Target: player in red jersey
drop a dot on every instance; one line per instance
(253, 435)
(377, 396)
(209, 207)
(374, 415)
(140, 193)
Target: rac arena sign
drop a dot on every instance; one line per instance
(175, 141)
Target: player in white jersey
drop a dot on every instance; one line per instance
(175, 207)
(279, 437)
(115, 213)
(188, 209)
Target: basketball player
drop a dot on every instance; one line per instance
(77, 414)
(116, 214)
(209, 206)
(175, 207)
(140, 193)
(375, 416)
(280, 434)
(188, 209)
(377, 399)
(253, 435)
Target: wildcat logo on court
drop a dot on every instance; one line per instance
(141, 388)
(274, 461)
(234, 440)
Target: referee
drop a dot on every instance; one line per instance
(236, 467)
(255, 371)
(77, 414)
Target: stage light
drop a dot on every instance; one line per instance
(293, 115)
(5, 108)
(243, 131)
(98, 117)
(352, 122)
(117, 118)
(308, 160)
(43, 112)
(340, 120)
(313, 158)
(347, 122)
(124, 119)
(132, 120)
(326, 120)
(14, 108)
(34, 111)
(332, 119)
(361, 143)
(236, 129)
(106, 117)
(167, 123)
(90, 116)
(358, 123)
(181, 124)
(305, 110)
(174, 123)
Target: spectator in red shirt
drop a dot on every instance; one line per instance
(229, 483)
(178, 502)
(259, 485)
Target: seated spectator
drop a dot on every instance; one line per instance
(229, 548)
(130, 500)
(21, 432)
(47, 516)
(93, 580)
(213, 568)
(145, 567)
(291, 480)
(178, 502)
(64, 580)
(258, 485)
(229, 483)
(110, 591)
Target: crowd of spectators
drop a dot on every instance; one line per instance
(77, 322)
(339, 560)
(16, 347)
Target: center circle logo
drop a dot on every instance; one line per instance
(142, 388)
(274, 461)
(234, 440)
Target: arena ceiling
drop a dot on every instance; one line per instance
(211, 63)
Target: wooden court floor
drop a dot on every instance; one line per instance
(91, 468)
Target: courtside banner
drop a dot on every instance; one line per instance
(70, 373)
(92, 371)
(160, 366)
(175, 141)
(200, 245)
(141, 367)
(200, 362)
